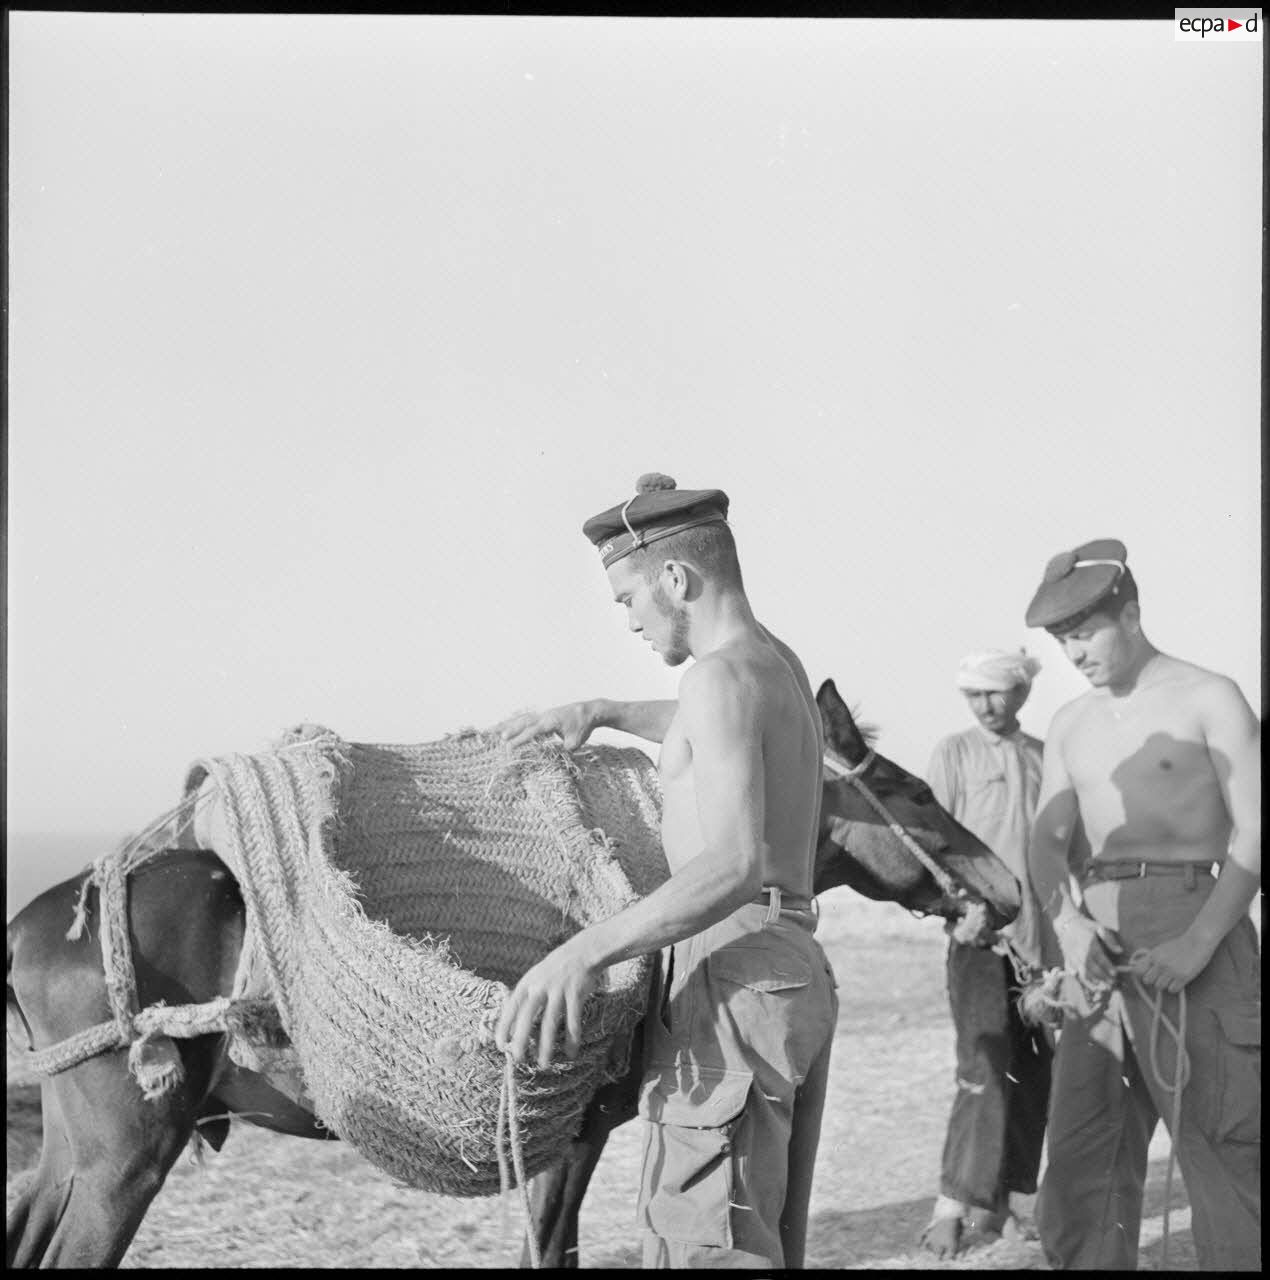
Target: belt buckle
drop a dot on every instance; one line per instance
(1142, 870)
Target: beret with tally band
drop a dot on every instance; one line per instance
(1077, 582)
(657, 510)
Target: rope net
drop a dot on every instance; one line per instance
(393, 895)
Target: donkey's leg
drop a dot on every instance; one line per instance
(34, 1217)
(555, 1200)
(555, 1195)
(110, 1154)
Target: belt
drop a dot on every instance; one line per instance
(771, 895)
(1137, 869)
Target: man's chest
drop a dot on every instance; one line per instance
(1137, 750)
(997, 776)
(674, 762)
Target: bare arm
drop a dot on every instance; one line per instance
(1233, 737)
(1084, 942)
(721, 723)
(648, 720)
(575, 721)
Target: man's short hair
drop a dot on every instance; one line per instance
(710, 548)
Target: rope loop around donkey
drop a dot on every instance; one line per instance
(178, 1021)
(855, 776)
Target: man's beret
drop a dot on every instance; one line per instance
(657, 510)
(1076, 583)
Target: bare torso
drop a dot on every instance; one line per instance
(1145, 778)
(790, 734)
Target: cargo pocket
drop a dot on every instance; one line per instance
(759, 969)
(1238, 1076)
(689, 1170)
(767, 993)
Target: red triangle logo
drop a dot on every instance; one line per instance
(1232, 25)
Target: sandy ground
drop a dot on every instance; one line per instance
(266, 1200)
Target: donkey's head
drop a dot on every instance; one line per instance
(872, 808)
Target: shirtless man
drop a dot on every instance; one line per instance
(1160, 761)
(737, 1042)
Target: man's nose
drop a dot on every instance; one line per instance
(634, 624)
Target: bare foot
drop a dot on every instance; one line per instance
(983, 1226)
(942, 1237)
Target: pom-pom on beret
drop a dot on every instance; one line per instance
(1075, 583)
(658, 509)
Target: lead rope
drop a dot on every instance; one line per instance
(1048, 993)
(508, 1127)
(853, 776)
(1181, 1076)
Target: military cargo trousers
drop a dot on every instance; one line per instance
(1111, 1088)
(738, 1043)
(996, 1129)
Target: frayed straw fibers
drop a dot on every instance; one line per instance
(393, 895)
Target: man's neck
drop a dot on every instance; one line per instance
(994, 735)
(1128, 680)
(718, 620)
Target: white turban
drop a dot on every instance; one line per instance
(997, 670)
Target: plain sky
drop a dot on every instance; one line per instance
(327, 333)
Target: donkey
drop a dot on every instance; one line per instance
(106, 1149)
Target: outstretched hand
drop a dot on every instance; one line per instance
(554, 990)
(572, 722)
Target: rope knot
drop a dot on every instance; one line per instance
(155, 1064)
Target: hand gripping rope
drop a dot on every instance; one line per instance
(1049, 994)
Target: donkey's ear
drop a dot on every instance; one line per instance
(840, 729)
(829, 700)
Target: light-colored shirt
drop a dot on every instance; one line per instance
(989, 783)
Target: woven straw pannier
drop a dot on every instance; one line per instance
(395, 893)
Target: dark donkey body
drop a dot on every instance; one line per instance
(106, 1149)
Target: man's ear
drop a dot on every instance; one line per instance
(1131, 616)
(677, 579)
